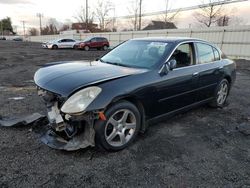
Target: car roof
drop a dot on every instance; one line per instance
(170, 39)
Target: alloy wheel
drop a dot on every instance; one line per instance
(120, 128)
(222, 93)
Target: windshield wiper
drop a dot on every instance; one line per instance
(114, 63)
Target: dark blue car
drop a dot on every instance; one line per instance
(106, 103)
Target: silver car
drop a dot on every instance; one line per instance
(60, 43)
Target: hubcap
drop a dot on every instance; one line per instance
(222, 93)
(120, 127)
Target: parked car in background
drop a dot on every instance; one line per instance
(60, 43)
(99, 43)
(2, 38)
(109, 101)
(17, 39)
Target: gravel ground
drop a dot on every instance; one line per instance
(200, 148)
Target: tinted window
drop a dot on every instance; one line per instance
(183, 55)
(216, 54)
(64, 40)
(70, 40)
(205, 53)
(93, 40)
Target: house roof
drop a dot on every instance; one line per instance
(160, 25)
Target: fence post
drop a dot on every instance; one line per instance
(119, 37)
(191, 33)
(222, 39)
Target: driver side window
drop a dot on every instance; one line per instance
(184, 55)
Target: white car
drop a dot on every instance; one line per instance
(60, 43)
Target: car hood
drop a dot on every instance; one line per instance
(64, 78)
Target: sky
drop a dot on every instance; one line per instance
(65, 10)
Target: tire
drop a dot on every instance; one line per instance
(86, 48)
(54, 47)
(105, 47)
(221, 94)
(75, 47)
(120, 128)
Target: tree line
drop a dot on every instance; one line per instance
(213, 14)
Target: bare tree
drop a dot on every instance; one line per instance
(168, 15)
(82, 17)
(33, 32)
(223, 21)
(102, 11)
(208, 15)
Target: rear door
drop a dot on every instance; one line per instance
(210, 70)
(178, 88)
(93, 43)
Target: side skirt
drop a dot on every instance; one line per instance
(172, 113)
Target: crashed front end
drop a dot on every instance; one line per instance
(67, 131)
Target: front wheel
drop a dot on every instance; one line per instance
(121, 127)
(54, 47)
(86, 48)
(221, 94)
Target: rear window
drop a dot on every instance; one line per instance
(205, 53)
(101, 39)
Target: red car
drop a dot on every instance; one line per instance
(93, 42)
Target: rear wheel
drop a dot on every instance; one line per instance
(86, 48)
(54, 47)
(120, 128)
(221, 94)
(105, 47)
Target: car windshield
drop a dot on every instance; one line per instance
(137, 53)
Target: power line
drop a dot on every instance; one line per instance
(183, 9)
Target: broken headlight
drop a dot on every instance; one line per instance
(81, 100)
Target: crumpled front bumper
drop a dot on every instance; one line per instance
(84, 140)
(67, 132)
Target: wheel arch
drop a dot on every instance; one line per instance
(228, 78)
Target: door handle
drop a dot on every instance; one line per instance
(196, 74)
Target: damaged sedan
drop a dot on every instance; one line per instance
(107, 102)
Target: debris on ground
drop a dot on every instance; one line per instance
(16, 98)
(244, 129)
(18, 121)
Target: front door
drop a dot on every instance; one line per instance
(178, 88)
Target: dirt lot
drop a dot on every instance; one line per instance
(201, 148)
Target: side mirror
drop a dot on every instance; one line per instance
(168, 67)
(172, 64)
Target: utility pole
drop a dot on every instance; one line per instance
(2, 28)
(87, 12)
(23, 28)
(39, 15)
(140, 7)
